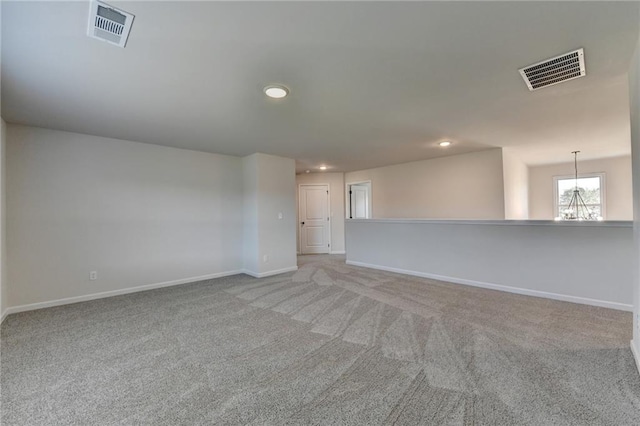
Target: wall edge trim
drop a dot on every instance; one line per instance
(112, 293)
(269, 273)
(500, 287)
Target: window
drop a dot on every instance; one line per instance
(590, 187)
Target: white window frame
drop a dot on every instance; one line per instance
(603, 197)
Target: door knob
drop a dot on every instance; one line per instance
(301, 223)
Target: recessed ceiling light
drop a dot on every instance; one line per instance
(276, 91)
(444, 143)
(323, 167)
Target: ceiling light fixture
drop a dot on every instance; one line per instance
(276, 91)
(323, 167)
(444, 143)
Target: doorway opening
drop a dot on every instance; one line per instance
(359, 200)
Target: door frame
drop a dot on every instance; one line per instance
(300, 185)
(347, 198)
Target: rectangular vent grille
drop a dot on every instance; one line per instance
(555, 70)
(109, 24)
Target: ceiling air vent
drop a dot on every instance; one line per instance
(555, 70)
(109, 24)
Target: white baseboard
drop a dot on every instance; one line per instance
(338, 252)
(111, 293)
(500, 287)
(269, 273)
(636, 355)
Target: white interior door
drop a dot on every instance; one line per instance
(314, 219)
(359, 201)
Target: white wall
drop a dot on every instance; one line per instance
(251, 241)
(467, 186)
(138, 214)
(276, 195)
(634, 98)
(3, 214)
(587, 263)
(516, 186)
(3, 234)
(336, 199)
(618, 186)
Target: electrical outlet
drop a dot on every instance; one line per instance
(93, 275)
(265, 258)
(280, 215)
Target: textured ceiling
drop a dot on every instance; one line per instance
(371, 83)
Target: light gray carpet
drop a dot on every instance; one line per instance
(328, 344)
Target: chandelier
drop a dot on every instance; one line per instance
(577, 208)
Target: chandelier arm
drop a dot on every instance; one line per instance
(570, 208)
(588, 214)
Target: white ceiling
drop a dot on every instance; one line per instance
(371, 83)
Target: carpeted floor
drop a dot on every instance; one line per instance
(328, 344)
